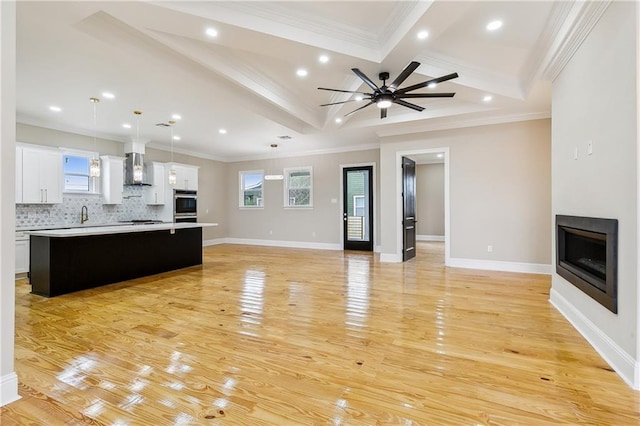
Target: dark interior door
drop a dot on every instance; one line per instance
(357, 214)
(408, 208)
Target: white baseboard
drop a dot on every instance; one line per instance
(497, 265)
(623, 363)
(429, 237)
(8, 389)
(390, 257)
(213, 242)
(289, 244)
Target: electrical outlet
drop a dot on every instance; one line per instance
(313, 234)
(589, 147)
(575, 153)
(490, 249)
(270, 232)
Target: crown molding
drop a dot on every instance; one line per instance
(457, 123)
(298, 154)
(581, 19)
(532, 69)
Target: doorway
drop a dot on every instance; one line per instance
(420, 156)
(357, 210)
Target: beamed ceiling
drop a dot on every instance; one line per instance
(157, 57)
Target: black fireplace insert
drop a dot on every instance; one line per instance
(587, 256)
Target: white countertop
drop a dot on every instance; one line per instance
(116, 229)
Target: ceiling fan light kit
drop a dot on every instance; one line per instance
(384, 96)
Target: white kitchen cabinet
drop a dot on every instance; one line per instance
(22, 252)
(186, 176)
(18, 175)
(155, 195)
(41, 176)
(111, 179)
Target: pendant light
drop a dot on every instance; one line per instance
(138, 170)
(172, 171)
(270, 176)
(94, 164)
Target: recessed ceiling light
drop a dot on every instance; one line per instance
(126, 125)
(55, 108)
(423, 35)
(108, 95)
(302, 72)
(222, 131)
(432, 85)
(440, 155)
(338, 120)
(323, 59)
(359, 97)
(487, 98)
(176, 138)
(176, 116)
(494, 25)
(212, 32)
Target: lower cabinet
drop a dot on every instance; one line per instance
(22, 253)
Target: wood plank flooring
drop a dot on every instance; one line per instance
(275, 336)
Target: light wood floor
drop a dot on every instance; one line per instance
(274, 336)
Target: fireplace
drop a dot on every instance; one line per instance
(587, 256)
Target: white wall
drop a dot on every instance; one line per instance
(8, 378)
(430, 199)
(595, 99)
(276, 223)
(500, 191)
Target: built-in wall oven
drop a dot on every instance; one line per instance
(185, 206)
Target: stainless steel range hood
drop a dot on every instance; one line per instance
(135, 172)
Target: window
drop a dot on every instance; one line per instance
(75, 167)
(298, 187)
(251, 188)
(358, 205)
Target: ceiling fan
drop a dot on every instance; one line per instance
(385, 96)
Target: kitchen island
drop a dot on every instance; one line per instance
(67, 260)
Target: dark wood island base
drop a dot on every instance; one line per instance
(64, 265)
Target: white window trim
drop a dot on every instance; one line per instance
(287, 172)
(241, 205)
(94, 183)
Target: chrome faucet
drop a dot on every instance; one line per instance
(84, 214)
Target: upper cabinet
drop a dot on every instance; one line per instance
(111, 179)
(186, 176)
(40, 175)
(159, 180)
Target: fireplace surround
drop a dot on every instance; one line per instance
(587, 256)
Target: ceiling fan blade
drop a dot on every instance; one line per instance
(409, 105)
(343, 91)
(428, 82)
(403, 75)
(364, 78)
(338, 103)
(425, 95)
(383, 112)
(362, 107)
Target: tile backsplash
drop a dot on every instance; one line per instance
(68, 212)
